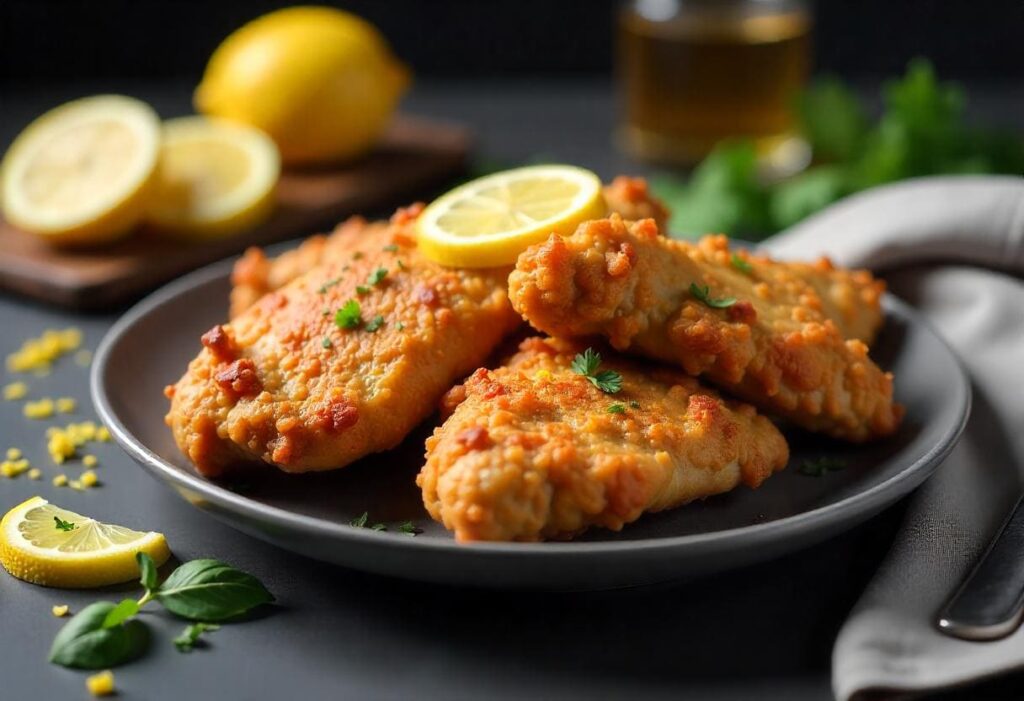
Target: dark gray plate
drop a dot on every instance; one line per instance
(309, 514)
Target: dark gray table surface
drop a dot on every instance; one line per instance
(764, 632)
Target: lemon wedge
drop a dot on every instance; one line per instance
(216, 177)
(45, 544)
(489, 221)
(81, 173)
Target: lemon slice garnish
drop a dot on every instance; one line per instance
(216, 177)
(489, 221)
(80, 554)
(81, 172)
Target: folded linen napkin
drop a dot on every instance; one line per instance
(954, 248)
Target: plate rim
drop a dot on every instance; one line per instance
(793, 526)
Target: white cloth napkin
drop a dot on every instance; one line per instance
(954, 248)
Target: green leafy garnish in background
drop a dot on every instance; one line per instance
(922, 131)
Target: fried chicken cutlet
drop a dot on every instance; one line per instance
(255, 275)
(534, 450)
(341, 361)
(757, 328)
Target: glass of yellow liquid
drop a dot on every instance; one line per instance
(694, 72)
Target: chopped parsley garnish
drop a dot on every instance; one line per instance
(327, 311)
(401, 265)
(617, 409)
(349, 316)
(64, 525)
(360, 520)
(821, 466)
(703, 294)
(362, 289)
(326, 342)
(377, 275)
(587, 363)
(740, 264)
(634, 404)
(189, 638)
(400, 326)
(375, 323)
(329, 284)
(409, 529)
(378, 527)
(391, 248)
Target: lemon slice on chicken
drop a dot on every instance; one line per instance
(489, 221)
(82, 172)
(216, 177)
(45, 544)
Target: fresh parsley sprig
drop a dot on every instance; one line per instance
(105, 634)
(704, 295)
(189, 637)
(66, 526)
(741, 264)
(349, 316)
(821, 466)
(587, 364)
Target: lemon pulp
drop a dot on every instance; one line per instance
(81, 173)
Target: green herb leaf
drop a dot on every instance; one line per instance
(401, 265)
(362, 290)
(375, 323)
(64, 525)
(121, 613)
(409, 528)
(147, 570)
(391, 248)
(400, 326)
(378, 527)
(377, 275)
(832, 119)
(740, 264)
(84, 642)
(349, 316)
(586, 364)
(634, 404)
(360, 521)
(329, 284)
(616, 409)
(326, 342)
(821, 466)
(189, 637)
(211, 590)
(703, 294)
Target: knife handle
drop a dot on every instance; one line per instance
(990, 603)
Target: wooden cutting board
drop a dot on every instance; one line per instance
(414, 156)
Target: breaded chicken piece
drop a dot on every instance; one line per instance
(296, 383)
(255, 275)
(771, 339)
(534, 450)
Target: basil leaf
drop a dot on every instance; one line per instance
(147, 570)
(83, 642)
(211, 590)
(189, 637)
(121, 613)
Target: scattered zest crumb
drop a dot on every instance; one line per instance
(60, 611)
(89, 460)
(15, 390)
(13, 453)
(39, 353)
(35, 473)
(66, 405)
(60, 481)
(13, 468)
(77, 485)
(83, 357)
(101, 684)
(40, 409)
(89, 479)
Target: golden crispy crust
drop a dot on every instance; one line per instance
(778, 346)
(532, 451)
(255, 275)
(282, 383)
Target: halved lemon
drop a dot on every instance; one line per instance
(82, 172)
(216, 177)
(489, 221)
(45, 544)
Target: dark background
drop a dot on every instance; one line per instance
(63, 40)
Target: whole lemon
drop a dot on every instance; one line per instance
(321, 82)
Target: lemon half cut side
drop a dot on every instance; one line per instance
(489, 221)
(81, 173)
(216, 177)
(81, 554)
